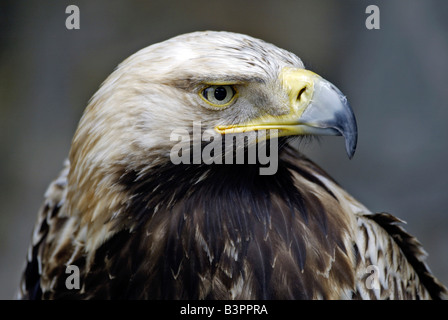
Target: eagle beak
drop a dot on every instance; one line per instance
(321, 108)
(316, 107)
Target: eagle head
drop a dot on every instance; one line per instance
(229, 83)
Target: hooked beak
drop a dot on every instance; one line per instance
(316, 107)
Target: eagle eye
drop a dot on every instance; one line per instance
(219, 95)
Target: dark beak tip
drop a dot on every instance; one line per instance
(350, 145)
(351, 154)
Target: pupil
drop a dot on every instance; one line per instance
(220, 93)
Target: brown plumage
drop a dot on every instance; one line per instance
(139, 226)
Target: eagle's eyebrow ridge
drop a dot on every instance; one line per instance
(188, 83)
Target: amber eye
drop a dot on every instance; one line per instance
(219, 95)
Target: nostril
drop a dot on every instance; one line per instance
(299, 95)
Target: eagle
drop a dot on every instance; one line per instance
(145, 208)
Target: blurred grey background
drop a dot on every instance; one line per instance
(396, 79)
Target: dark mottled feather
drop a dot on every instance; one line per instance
(233, 234)
(413, 251)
